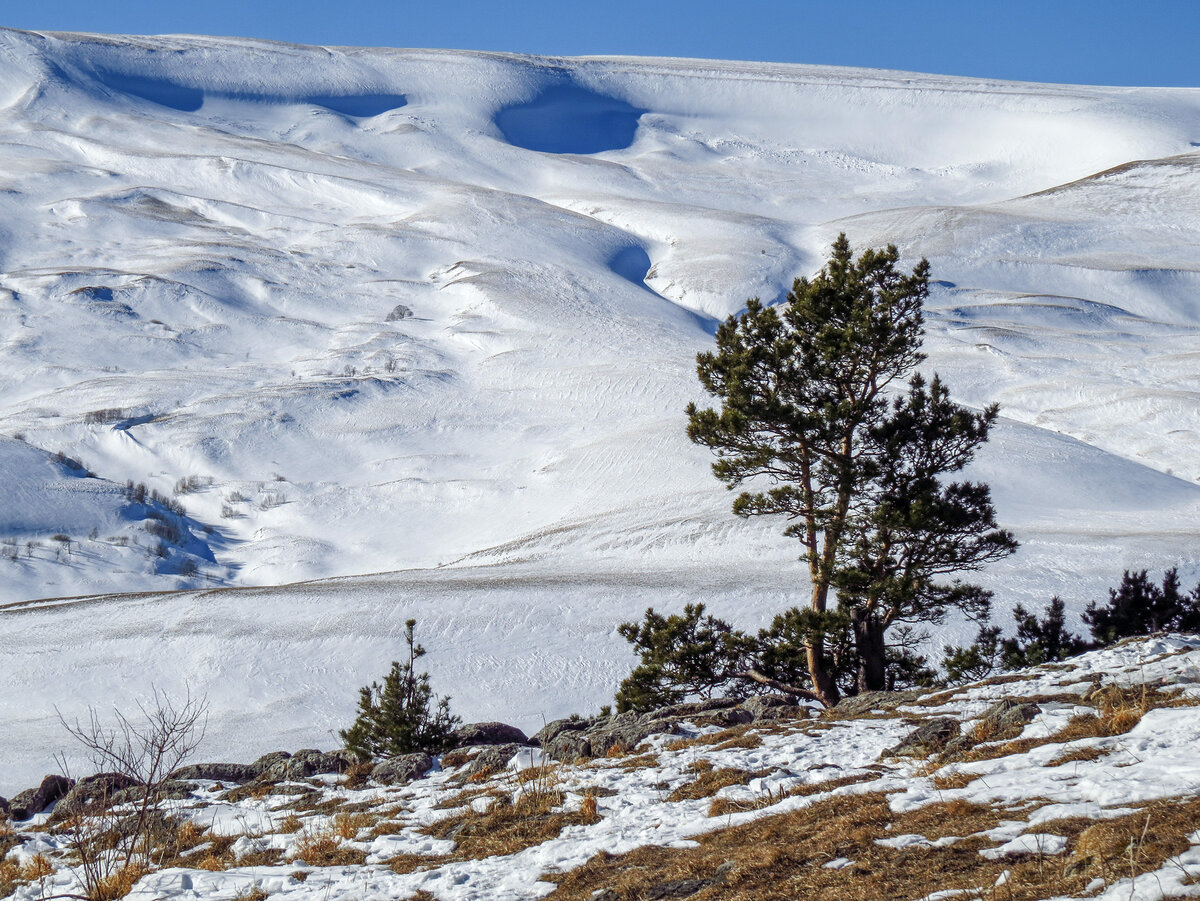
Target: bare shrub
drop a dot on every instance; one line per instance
(115, 828)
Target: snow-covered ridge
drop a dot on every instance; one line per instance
(380, 310)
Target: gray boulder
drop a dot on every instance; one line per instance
(236, 773)
(35, 800)
(494, 757)
(308, 762)
(487, 734)
(929, 737)
(98, 792)
(770, 707)
(1007, 716)
(4, 808)
(399, 311)
(887, 701)
(402, 769)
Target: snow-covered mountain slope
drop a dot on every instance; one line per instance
(380, 310)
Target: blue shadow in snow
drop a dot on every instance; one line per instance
(631, 263)
(188, 100)
(570, 119)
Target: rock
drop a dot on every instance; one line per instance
(399, 311)
(35, 800)
(99, 791)
(494, 757)
(677, 888)
(1006, 716)
(308, 762)
(4, 808)
(487, 734)
(267, 761)
(555, 728)
(236, 773)
(568, 745)
(770, 707)
(402, 769)
(859, 704)
(932, 735)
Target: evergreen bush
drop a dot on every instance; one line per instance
(401, 716)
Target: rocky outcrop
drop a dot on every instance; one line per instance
(235, 773)
(92, 793)
(474, 734)
(35, 800)
(403, 769)
(571, 739)
(308, 762)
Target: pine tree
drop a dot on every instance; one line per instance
(1138, 607)
(682, 655)
(1038, 641)
(803, 391)
(401, 716)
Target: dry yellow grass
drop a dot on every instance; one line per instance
(348, 825)
(710, 781)
(323, 848)
(253, 893)
(118, 884)
(291, 824)
(783, 856)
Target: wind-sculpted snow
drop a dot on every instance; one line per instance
(569, 119)
(203, 242)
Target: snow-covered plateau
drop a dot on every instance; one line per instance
(410, 333)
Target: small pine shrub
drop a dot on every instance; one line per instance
(401, 716)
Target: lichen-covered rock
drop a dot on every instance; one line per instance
(887, 701)
(402, 769)
(487, 734)
(236, 773)
(553, 729)
(96, 792)
(494, 757)
(35, 800)
(770, 707)
(929, 737)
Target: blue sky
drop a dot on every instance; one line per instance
(1152, 42)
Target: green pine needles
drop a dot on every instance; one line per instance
(401, 716)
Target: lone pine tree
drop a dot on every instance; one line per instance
(401, 716)
(807, 426)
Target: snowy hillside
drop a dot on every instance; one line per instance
(376, 311)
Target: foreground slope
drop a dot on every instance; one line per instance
(1072, 780)
(377, 310)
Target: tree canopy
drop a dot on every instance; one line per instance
(811, 427)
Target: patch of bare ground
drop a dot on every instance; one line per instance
(784, 856)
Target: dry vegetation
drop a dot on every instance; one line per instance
(784, 856)
(507, 826)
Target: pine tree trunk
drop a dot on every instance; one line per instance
(824, 685)
(871, 651)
